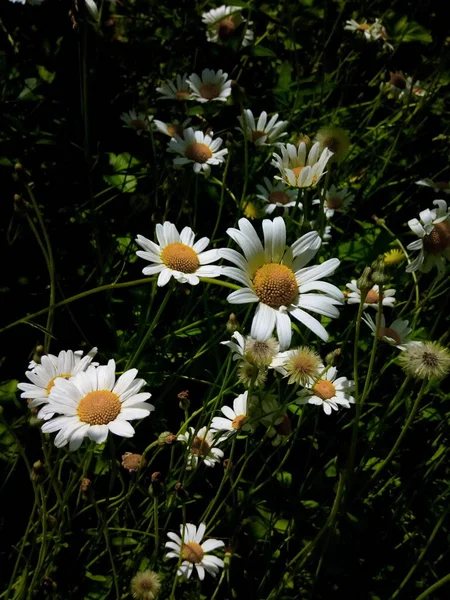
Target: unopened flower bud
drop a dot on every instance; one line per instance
(38, 472)
(379, 275)
(38, 352)
(156, 487)
(166, 437)
(365, 283)
(20, 205)
(232, 323)
(227, 464)
(184, 400)
(335, 358)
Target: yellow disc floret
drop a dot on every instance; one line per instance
(99, 407)
(180, 257)
(192, 552)
(324, 389)
(275, 285)
(198, 152)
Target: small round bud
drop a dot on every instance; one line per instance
(38, 472)
(85, 484)
(232, 323)
(166, 437)
(184, 399)
(335, 358)
(37, 354)
(365, 283)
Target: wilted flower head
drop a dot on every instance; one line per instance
(425, 360)
(433, 245)
(140, 122)
(336, 140)
(145, 585)
(301, 365)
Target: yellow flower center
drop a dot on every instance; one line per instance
(363, 26)
(334, 202)
(174, 128)
(209, 91)
(182, 94)
(238, 421)
(389, 332)
(199, 446)
(192, 552)
(324, 389)
(198, 152)
(99, 407)
(226, 28)
(275, 285)
(256, 135)
(439, 239)
(278, 197)
(372, 297)
(179, 257)
(298, 170)
(51, 383)
(251, 210)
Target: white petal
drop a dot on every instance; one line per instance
(263, 322)
(310, 322)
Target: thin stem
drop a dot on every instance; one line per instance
(434, 587)
(244, 128)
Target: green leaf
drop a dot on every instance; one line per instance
(119, 163)
(263, 51)
(281, 525)
(285, 478)
(405, 31)
(44, 74)
(195, 110)
(285, 78)
(8, 391)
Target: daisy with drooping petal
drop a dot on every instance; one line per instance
(277, 195)
(222, 22)
(298, 167)
(255, 352)
(433, 244)
(201, 447)
(140, 122)
(335, 201)
(44, 375)
(234, 419)
(372, 297)
(438, 186)
(211, 86)
(178, 256)
(372, 32)
(92, 403)
(193, 553)
(178, 90)
(261, 132)
(328, 392)
(251, 375)
(173, 128)
(277, 281)
(396, 334)
(198, 148)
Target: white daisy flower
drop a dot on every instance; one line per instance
(277, 195)
(335, 201)
(278, 282)
(396, 334)
(222, 22)
(298, 167)
(43, 375)
(140, 122)
(175, 90)
(438, 186)
(201, 447)
(234, 419)
(178, 256)
(198, 148)
(328, 392)
(433, 244)
(92, 403)
(372, 32)
(253, 351)
(372, 297)
(211, 86)
(261, 132)
(193, 552)
(173, 128)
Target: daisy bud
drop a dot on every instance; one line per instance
(232, 323)
(335, 358)
(132, 462)
(38, 472)
(156, 487)
(38, 352)
(184, 400)
(379, 276)
(425, 360)
(145, 585)
(166, 437)
(365, 283)
(85, 484)
(227, 464)
(20, 205)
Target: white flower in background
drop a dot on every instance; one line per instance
(178, 256)
(298, 167)
(335, 201)
(44, 375)
(193, 553)
(138, 121)
(438, 186)
(277, 281)
(277, 195)
(372, 297)
(402, 87)
(198, 148)
(173, 128)
(234, 419)
(433, 244)
(396, 334)
(261, 132)
(253, 351)
(211, 86)
(175, 90)
(92, 404)
(201, 447)
(222, 22)
(328, 392)
(326, 236)
(372, 32)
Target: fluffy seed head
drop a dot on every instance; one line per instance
(99, 407)
(275, 285)
(260, 353)
(336, 140)
(248, 372)
(428, 360)
(145, 585)
(302, 365)
(198, 152)
(179, 257)
(437, 240)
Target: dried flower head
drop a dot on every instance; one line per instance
(260, 353)
(425, 360)
(302, 365)
(248, 373)
(132, 462)
(145, 585)
(85, 484)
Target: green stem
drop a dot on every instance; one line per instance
(222, 196)
(244, 128)
(434, 587)
(226, 284)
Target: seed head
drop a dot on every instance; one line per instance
(426, 360)
(145, 585)
(259, 353)
(247, 373)
(336, 140)
(302, 365)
